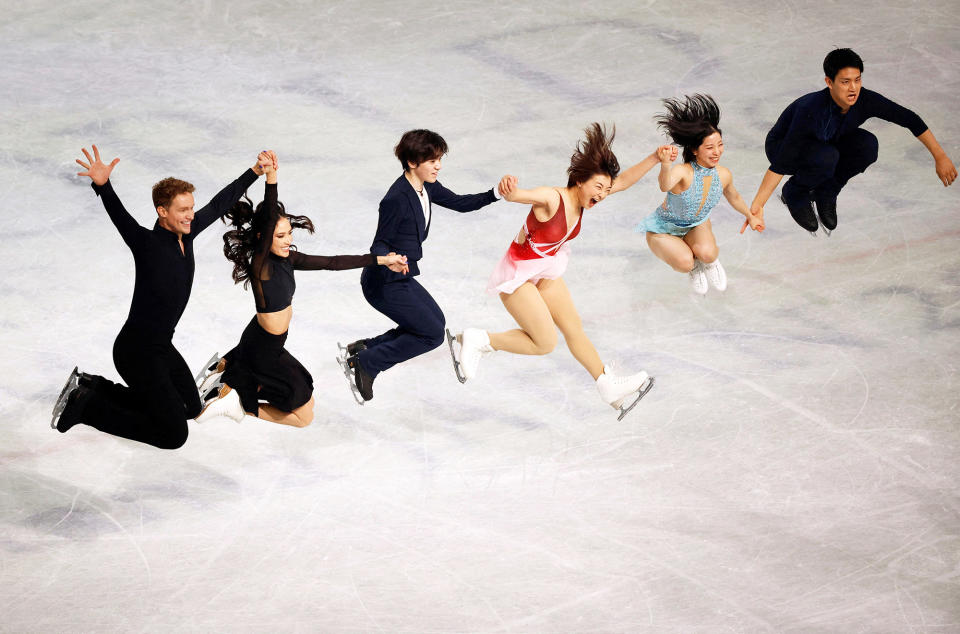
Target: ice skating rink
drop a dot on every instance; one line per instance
(795, 468)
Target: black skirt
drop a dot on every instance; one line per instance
(261, 369)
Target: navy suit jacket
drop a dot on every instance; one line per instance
(402, 227)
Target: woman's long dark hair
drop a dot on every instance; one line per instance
(689, 121)
(248, 244)
(593, 156)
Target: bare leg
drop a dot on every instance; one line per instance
(673, 250)
(702, 243)
(557, 298)
(537, 333)
(300, 417)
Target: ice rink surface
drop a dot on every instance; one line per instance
(795, 468)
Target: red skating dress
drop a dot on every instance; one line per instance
(543, 254)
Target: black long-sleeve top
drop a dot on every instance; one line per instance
(817, 116)
(272, 280)
(164, 273)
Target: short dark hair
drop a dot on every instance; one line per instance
(169, 188)
(838, 59)
(417, 146)
(593, 156)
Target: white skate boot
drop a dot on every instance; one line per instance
(226, 404)
(616, 389)
(698, 279)
(474, 346)
(716, 275)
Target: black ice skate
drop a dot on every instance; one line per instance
(348, 362)
(803, 214)
(827, 213)
(453, 357)
(73, 382)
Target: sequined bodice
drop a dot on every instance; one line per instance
(684, 208)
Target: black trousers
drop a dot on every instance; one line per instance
(159, 398)
(823, 167)
(420, 321)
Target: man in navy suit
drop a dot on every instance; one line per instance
(405, 215)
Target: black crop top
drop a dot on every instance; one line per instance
(273, 282)
(274, 286)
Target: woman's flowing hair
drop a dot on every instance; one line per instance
(248, 243)
(689, 121)
(593, 156)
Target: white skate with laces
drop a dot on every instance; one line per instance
(474, 346)
(615, 389)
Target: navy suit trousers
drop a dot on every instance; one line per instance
(420, 322)
(825, 167)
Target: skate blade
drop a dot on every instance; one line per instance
(646, 387)
(351, 381)
(205, 369)
(453, 357)
(73, 382)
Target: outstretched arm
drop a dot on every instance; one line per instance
(99, 173)
(736, 201)
(442, 196)
(629, 177)
(229, 195)
(767, 186)
(946, 170)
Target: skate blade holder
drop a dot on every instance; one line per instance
(453, 357)
(73, 382)
(646, 387)
(207, 369)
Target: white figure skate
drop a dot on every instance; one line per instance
(474, 346)
(226, 404)
(698, 279)
(616, 389)
(716, 275)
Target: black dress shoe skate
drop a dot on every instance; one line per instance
(827, 211)
(73, 411)
(363, 381)
(803, 214)
(356, 346)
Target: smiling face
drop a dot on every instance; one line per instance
(845, 87)
(282, 237)
(178, 215)
(593, 190)
(428, 171)
(710, 151)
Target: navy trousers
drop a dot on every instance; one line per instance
(821, 167)
(420, 322)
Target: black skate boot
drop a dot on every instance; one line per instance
(798, 201)
(73, 410)
(355, 347)
(364, 381)
(827, 211)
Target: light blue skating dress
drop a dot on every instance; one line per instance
(682, 212)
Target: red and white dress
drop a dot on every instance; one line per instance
(543, 254)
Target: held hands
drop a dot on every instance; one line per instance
(508, 187)
(667, 153)
(394, 262)
(946, 170)
(266, 159)
(97, 170)
(755, 219)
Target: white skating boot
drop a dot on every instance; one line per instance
(227, 404)
(474, 346)
(716, 275)
(698, 279)
(615, 389)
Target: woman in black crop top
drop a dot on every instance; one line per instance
(259, 368)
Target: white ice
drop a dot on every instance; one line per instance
(794, 469)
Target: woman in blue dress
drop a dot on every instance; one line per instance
(679, 231)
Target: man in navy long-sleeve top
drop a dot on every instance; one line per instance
(405, 216)
(819, 141)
